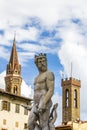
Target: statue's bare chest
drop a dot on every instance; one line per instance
(40, 82)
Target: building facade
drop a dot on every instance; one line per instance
(73, 125)
(13, 114)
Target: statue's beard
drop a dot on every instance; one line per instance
(43, 68)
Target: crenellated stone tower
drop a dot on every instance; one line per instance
(13, 78)
(70, 99)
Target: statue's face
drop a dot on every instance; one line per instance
(42, 64)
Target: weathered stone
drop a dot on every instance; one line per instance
(40, 117)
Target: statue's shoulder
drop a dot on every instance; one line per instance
(50, 75)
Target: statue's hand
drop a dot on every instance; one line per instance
(41, 110)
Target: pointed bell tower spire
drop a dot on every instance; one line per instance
(14, 57)
(13, 78)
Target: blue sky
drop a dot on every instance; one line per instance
(55, 27)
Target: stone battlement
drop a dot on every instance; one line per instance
(69, 81)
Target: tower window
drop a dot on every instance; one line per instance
(15, 90)
(66, 98)
(75, 98)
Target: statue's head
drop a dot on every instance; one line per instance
(41, 62)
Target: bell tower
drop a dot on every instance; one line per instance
(70, 99)
(13, 78)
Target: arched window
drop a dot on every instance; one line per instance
(66, 98)
(75, 98)
(15, 90)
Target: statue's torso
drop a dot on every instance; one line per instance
(40, 87)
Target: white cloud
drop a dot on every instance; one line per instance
(15, 15)
(30, 34)
(4, 52)
(48, 11)
(26, 90)
(35, 48)
(2, 81)
(4, 41)
(24, 57)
